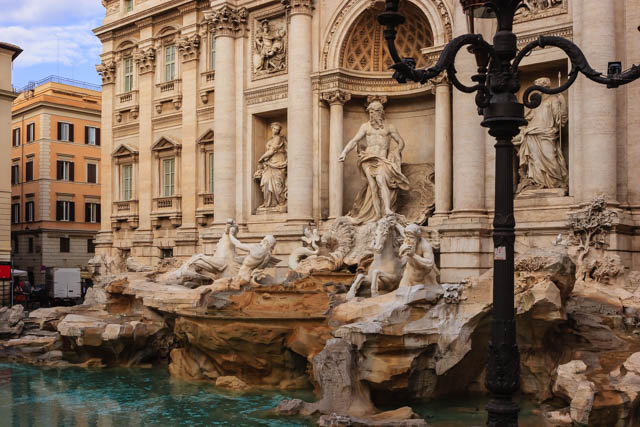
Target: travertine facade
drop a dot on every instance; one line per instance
(8, 53)
(191, 88)
(55, 176)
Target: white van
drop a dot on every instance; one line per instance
(67, 284)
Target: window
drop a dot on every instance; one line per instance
(65, 244)
(28, 171)
(15, 174)
(126, 182)
(92, 173)
(168, 177)
(128, 74)
(212, 53)
(15, 213)
(65, 132)
(169, 63)
(30, 245)
(16, 137)
(91, 135)
(65, 170)
(16, 245)
(210, 172)
(92, 212)
(91, 246)
(128, 5)
(31, 132)
(65, 211)
(167, 252)
(29, 211)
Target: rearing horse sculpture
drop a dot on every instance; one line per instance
(387, 265)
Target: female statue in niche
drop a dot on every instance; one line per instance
(541, 162)
(272, 171)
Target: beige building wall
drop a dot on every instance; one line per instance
(218, 103)
(8, 53)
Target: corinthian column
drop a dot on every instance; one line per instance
(443, 149)
(300, 111)
(227, 23)
(599, 143)
(336, 100)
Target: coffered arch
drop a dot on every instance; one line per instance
(435, 13)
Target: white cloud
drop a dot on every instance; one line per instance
(71, 44)
(60, 12)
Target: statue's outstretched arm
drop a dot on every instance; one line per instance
(238, 244)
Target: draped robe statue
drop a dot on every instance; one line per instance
(380, 164)
(541, 162)
(272, 170)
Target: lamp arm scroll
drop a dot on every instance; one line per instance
(579, 64)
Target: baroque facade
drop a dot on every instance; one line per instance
(192, 90)
(55, 176)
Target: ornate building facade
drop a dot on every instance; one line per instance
(241, 109)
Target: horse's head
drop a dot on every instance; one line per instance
(384, 230)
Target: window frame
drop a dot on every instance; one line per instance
(170, 64)
(68, 170)
(95, 165)
(31, 245)
(30, 211)
(31, 132)
(67, 211)
(16, 137)
(170, 175)
(65, 126)
(28, 170)
(127, 74)
(93, 209)
(15, 213)
(210, 170)
(212, 52)
(65, 245)
(91, 246)
(15, 174)
(126, 182)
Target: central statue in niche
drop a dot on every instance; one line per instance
(380, 163)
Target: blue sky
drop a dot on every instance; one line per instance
(56, 38)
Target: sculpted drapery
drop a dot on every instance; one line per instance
(380, 165)
(541, 162)
(272, 170)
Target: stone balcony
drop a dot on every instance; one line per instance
(205, 207)
(167, 207)
(124, 211)
(127, 102)
(207, 85)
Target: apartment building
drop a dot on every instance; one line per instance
(55, 175)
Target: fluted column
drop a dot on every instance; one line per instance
(189, 48)
(443, 146)
(599, 143)
(107, 71)
(227, 24)
(300, 111)
(336, 100)
(145, 60)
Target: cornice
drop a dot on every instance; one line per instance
(140, 16)
(266, 94)
(363, 84)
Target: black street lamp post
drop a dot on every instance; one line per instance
(496, 84)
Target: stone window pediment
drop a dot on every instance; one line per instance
(206, 138)
(166, 145)
(124, 151)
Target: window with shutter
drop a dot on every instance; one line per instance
(65, 211)
(31, 132)
(28, 171)
(29, 211)
(15, 213)
(59, 170)
(65, 170)
(97, 136)
(59, 211)
(168, 177)
(71, 171)
(169, 63)
(72, 211)
(92, 174)
(15, 174)
(16, 137)
(91, 246)
(71, 133)
(90, 135)
(65, 244)
(91, 212)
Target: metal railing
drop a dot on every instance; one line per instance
(62, 80)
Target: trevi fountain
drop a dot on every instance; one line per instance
(377, 314)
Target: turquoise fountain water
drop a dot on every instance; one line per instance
(35, 396)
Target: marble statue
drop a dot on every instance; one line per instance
(310, 240)
(380, 164)
(258, 256)
(201, 269)
(541, 162)
(386, 267)
(531, 7)
(270, 55)
(420, 265)
(272, 171)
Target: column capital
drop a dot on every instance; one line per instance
(145, 59)
(227, 21)
(107, 70)
(298, 6)
(189, 47)
(336, 96)
(441, 79)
